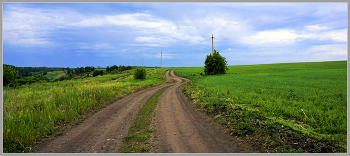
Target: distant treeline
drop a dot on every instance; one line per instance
(34, 71)
(78, 71)
(17, 76)
(116, 68)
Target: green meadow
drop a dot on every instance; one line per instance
(308, 97)
(54, 75)
(32, 112)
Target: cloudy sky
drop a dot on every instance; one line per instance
(105, 34)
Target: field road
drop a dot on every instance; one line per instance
(103, 131)
(180, 127)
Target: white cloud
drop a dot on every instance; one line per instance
(145, 24)
(164, 55)
(285, 36)
(154, 40)
(147, 45)
(191, 28)
(167, 56)
(34, 24)
(333, 49)
(331, 35)
(146, 39)
(27, 26)
(272, 36)
(333, 52)
(100, 46)
(335, 35)
(23, 37)
(313, 28)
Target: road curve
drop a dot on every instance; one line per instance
(103, 131)
(181, 128)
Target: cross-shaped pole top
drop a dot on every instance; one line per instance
(212, 43)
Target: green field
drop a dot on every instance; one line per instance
(34, 111)
(308, 97)
(54, 75)
(265, 101)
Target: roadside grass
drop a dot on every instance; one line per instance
(138, 138)
(112, 76)
(300, 102)
(54, 75)
(35, 111)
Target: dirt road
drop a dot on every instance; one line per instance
(102, 132)
(180, 127)
(183, 129)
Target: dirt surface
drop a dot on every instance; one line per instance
(181, 128)
(103, 131)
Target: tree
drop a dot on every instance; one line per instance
(140, 73)
(64, 70)
(128, 67)
(114, 67)
(81, 70)
(9, 75)
(107, 70)
(215, 64)
(77, 71)
(121, 68)
(89, 69)
(69, 72)
(96, 73)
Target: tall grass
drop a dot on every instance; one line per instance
(313, 95)
(34, 111)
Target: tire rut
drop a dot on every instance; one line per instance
(103, 131)
(182, 128)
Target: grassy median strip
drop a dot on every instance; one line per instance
(138, 138)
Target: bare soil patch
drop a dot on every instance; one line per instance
(103, 131)
(181, 128)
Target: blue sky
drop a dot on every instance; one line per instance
(106, 34)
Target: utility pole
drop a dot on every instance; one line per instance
(160, 59)
(142, 62)
(212, 43)
(134, 64)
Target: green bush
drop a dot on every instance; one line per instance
(9, 74)
(215, 64)
(96, 73)
(140, 73)
(61, 78)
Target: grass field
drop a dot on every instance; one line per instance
(54, 75)
(308, 97)
(37, 110)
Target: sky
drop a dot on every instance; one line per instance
(105, 34)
